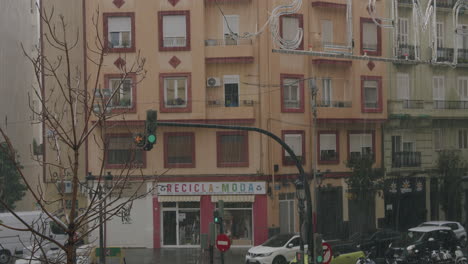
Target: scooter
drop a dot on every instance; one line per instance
(366, 259)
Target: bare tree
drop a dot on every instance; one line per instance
(74, 111)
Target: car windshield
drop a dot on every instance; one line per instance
(428, 224)
(278, 240)
(412, 237)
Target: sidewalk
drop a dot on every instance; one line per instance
(182, 256)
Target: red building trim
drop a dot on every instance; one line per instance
(350, 132)
(260, 219)
(337, 140)
(120, 166)
(327, 4)
(246, 121)
(379, 38)
(300, 78)
(283, 154)
(300, 17)
(133, 107)
(246, 59)
(245, 149)
(105, 17)
(162, 105)
(379, 108)
(161, 15)
(350, 121)
(206, 213)
(156, 223)
(332, 62)
(192, 150)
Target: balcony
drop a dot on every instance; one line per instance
(406, 159)
(407, 52)
(405, 2)
(444, 54)
(440, 104)
(445, 3)
(335, 104)
(462, 56)
(427, 108)
(229, 49)
(413, 104)
(337, 47)
(238, 109)
(330, 4)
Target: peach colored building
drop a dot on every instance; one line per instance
(197, 73)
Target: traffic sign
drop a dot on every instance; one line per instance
(223, 243)
(327, 253)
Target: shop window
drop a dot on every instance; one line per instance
(360, 144)
(180, 223)
(237, 223)
(371, 38)
(328, 147)
(292, 93)
(121, 151)
(174, 30)
(119, 32)
(232, 149)
(175, 88)
(179, 150)
(289, 27)
(371, 94)
(295, 140)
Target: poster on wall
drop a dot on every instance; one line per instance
(211, 188)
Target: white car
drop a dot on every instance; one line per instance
(280, 249)
(456, 227)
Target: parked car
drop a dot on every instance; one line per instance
(280, 249)
(456, 227)
(377, 240)
(419, 240)
(342, 254)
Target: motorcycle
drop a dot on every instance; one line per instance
(366, 259)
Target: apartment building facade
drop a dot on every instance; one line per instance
(198, 73)
(427, 113)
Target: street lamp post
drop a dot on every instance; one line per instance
(100, 191)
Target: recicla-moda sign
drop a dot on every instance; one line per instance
(211, 188)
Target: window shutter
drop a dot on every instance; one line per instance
(403, 86)
(294, 141)
(403, 30)
(359, 141)
(438, 88)
(290, 27)
(369, 35)
(328, 142)
(327, 32)
(119, 24)
(233, 21)
(463, 88)
(174, 26)
(440, 34)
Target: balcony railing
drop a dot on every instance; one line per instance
(227, 42)
(406, 159)
(413, 104)
(336, 104)
(462, 56)
(407, 51)
(445, 3)
(406, 2)
(233, 103)
(445, 54)
(327, 46)
(440, 104)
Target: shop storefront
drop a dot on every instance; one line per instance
(184, 210)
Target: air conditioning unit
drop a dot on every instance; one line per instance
(213, 82)
(66, 187)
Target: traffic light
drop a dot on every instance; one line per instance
(139, 140)
(217, 219)
(151, 125)
(318, 248)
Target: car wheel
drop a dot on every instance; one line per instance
(5, 257)
(279, 260)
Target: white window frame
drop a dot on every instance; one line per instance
(327, 92)
(462, 138)
(296, 148)
(403, 30)
(233, 21)
(123, 29)
(172, 39)
(403, 86)
(462, 83)
(440, 34)
(120, 92)
(231, 79)
(175, 91)
(289, 84)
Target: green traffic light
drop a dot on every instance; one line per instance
(319, 259)
(151, 139)
(217, 220)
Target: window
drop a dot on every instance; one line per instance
(121, 151)
(295, 140)
(360, 143)
(289, 27)
(175, 89)
(462, 40)
(119, 32)
(371, 94)
(232, 149)
(286, 216)
(463, 88)
(328, 147)
(403, 89)
(403, 31)
(231, 90)
(326, 92)
(174, 30)
(292, 93)
(180, 223)
(440, 34)
(179, 150)
(438, 138)
(438, 91)
(230, 26)
(463, 139)
(122, 91)
(327, 32)
(371, 36)
(237, 221)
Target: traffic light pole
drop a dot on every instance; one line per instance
(302, 176)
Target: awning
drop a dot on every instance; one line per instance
(233, 198)
(174, 198)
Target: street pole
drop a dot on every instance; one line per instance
(313, 104)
